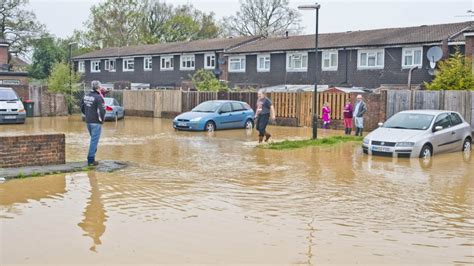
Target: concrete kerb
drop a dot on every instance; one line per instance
(71, 167)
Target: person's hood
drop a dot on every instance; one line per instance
(192, 115)
(395, 135)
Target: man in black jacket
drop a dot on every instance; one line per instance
(93, 107)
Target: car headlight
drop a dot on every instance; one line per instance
(197, 119)
(405, 144)
(366, 141)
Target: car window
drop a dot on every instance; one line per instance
(108, 101)
(226, 108)
(237, 107)
(443, 120)
(455, 119)
(116, 103)
(8, 95)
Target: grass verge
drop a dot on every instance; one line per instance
(295, 144)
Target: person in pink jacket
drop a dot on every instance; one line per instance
(326, 115)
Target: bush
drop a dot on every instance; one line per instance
(59, 80)
(454, 73)
(205, 80)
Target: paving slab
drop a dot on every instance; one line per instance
(29, 171)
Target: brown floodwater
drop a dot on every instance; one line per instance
(191, 197)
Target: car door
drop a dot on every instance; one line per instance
(224, 116)
(443, 138)
(238, 115)
(457, 132)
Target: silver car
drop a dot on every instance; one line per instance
(419, 133)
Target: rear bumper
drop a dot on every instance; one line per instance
(400, 152)
(12, 118)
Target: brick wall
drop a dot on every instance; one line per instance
(32, 150)
(376, 108)
(52, 104)
(22, 91)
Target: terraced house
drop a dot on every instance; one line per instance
(367, 58)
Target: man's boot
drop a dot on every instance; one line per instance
(357, 131)
(346, 131)
(267, 136)
(361, 129)
(260, 139)
(350, 131)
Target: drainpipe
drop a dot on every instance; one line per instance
(345, 56)
(410, 75)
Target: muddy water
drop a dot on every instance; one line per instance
(199, 198)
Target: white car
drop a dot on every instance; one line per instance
(419, 133)
(12, 110)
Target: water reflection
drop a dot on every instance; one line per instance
(95, 215)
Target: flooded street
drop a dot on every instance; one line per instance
(191, 197)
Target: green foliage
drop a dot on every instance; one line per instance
(294, 144)
(63, 80)
(180, 28)
(454, 73)
(205, 80)
(18, 26)
(46, 54)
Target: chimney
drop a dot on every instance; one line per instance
(469, 45)
(445, 48)
(3, 52)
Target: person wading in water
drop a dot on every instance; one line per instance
(265, 111)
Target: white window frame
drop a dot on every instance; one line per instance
(107, 65)
(370, 53)
(94, 64)
(125, 65)
(81, 67)
(187, 58)
(212, 60)
(304, 61)
(164, 60)
(242, 61)
(327, 55)
(147, 67)
(265, 58)
(412, 50)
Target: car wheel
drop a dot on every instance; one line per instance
(466, 146)
(249, 124)
(426, 152)
(210, 126)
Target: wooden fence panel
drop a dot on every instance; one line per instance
(472, 111)
(458, 101)
(427, 100)
(167, 101)
(398, 100)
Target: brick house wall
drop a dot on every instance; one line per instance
(32, 150)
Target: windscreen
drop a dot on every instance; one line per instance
(109, 101)
(8, 95)
(207, 107)
(409, 121)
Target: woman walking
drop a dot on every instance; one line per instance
(348, 114)
(326, 115)
(265, 111)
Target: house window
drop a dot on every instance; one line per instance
(95, 66)
(128, 64)
(187, 62)
(110, 65)
(167, 63)
(147, 63)
(237, 64)
(210, 61)
(329, 60)
(370, 59)
(263, 62)
(81, 67)
(296, 62)
(412, 57)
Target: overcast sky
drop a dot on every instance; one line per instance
(63, 16)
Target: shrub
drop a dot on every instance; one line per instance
(454, 73)
(205, 80)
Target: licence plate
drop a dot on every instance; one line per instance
(182, 124)
(382, 149)
(9, 117)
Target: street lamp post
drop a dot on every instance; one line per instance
(316, 7)
(70, 70)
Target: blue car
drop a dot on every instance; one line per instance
(212, 115)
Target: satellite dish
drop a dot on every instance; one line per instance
(432, 64)
(434, 54)
(221, 61)
(217, 71)
(432, 72)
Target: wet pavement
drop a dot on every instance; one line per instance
(199, 198)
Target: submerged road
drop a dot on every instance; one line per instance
(194, 197)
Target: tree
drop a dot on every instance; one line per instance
(46, 53)
(180, 28)
(263, 17)
(454, 73)
(205, 80)
(59, 80)
(116, 23)
(18, 26)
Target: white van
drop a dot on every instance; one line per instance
(11, 107)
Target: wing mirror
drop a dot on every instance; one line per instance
(438, 128)
(380, 124)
